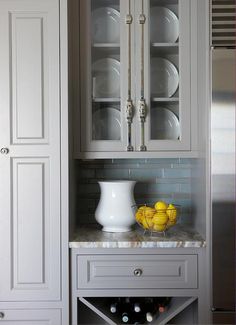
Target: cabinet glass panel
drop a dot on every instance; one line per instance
(105, 70)
(164, 70)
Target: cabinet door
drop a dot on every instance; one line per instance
(30, 164)
(31, 317)
(164, 52)
(104, 64)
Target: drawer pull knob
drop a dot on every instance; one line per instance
(138, 272)
(4, 151)
(1, 315)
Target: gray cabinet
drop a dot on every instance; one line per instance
(98, 274)
(135, 73)
(32, 199)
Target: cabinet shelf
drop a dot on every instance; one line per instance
(99, 307)
(106, 45)
(164, 44)
(165, 99)
(106, 100)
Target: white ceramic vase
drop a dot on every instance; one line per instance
(114, 211)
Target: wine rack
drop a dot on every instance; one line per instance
(100, 307)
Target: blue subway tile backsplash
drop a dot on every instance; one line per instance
(157, 179)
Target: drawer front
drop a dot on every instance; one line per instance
(136, 271)
(30, 317)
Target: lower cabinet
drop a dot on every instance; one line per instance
(101, 276)
(30, 317)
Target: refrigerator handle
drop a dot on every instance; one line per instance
(216, 309)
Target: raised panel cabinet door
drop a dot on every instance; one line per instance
(30, 262)
(31, 317)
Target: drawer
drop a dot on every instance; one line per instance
(136, 271)
(30, 316)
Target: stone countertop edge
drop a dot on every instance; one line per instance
(91, 236)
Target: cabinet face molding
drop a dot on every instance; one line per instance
(30, 189)
(29, 76)
(30, 193)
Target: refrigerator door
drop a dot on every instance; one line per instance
(223, 183)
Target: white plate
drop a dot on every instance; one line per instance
(164, 124)
(106, 78)
(105, 25)
(164, 78)
(164, 25)
(106, 124)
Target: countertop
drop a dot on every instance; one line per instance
(91, 236)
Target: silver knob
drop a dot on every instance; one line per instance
(138, 272)
(1, 315)
(4, 151)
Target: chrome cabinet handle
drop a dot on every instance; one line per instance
(142, 116)
(138, 272)
(129, 119)
(4, 151)
(2, 315)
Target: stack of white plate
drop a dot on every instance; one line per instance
(105, 25)
(164, 27)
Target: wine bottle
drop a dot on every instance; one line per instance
(137, 307)
(125, 317)
(149, 317)
(151, 309)
(163, 304)
(113, 307)
(126, 310)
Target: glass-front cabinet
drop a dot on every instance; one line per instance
(135, 75)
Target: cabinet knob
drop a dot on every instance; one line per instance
(4, 151)
(2, 315)
(138, 272)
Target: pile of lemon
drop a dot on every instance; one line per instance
(158, 218)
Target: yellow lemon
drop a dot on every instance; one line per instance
(159, 227)
(149, 212)
(143, 207)
(171, 212)
(150, 222)
(171, 223)
(145, 223)
(160, 218)
(139, 216)
(160, 205)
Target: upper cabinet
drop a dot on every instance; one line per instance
(135, 77)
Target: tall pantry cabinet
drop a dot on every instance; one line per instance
(33, 162)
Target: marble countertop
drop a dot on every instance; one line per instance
(91, 236)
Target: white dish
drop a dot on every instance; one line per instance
(164, 78)
(106, 78)
(164, 124)
(106, 124)
(105, 25)
(164, 25)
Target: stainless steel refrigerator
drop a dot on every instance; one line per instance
(223, 184)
